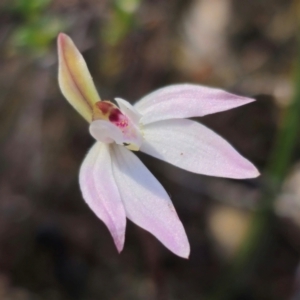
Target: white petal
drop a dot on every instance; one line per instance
(106, 132)
(195, 148)
(100, 191)
(146, 202)
(186, 101)
(128, 110)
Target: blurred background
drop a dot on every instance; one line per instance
(244, 235)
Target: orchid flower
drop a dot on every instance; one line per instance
(114, 182)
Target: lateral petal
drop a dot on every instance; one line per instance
(101, 193)
(146, 202)
(74, 78)
(193, 147)
(186, 101)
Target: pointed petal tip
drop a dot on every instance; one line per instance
(185, 255)
(248, 100)
(184, 252)
(254, 173)
(250, 172)
(61, 38)
(119, 245)
(64, 42)
(61, 35)
(180, 247)
(247, 169)
(118, 238)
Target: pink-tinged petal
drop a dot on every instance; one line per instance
(146, 202)
(128, 110)
(106, 132)
(123, 133)
(195, 148)
(74, 78)
(186, 101)
(101, 193)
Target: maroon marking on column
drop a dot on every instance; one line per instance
(105, 107)
(115, 115)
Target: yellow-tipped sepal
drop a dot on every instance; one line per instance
(74, 78)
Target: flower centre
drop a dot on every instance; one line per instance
(117, 118)
(110, 124)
